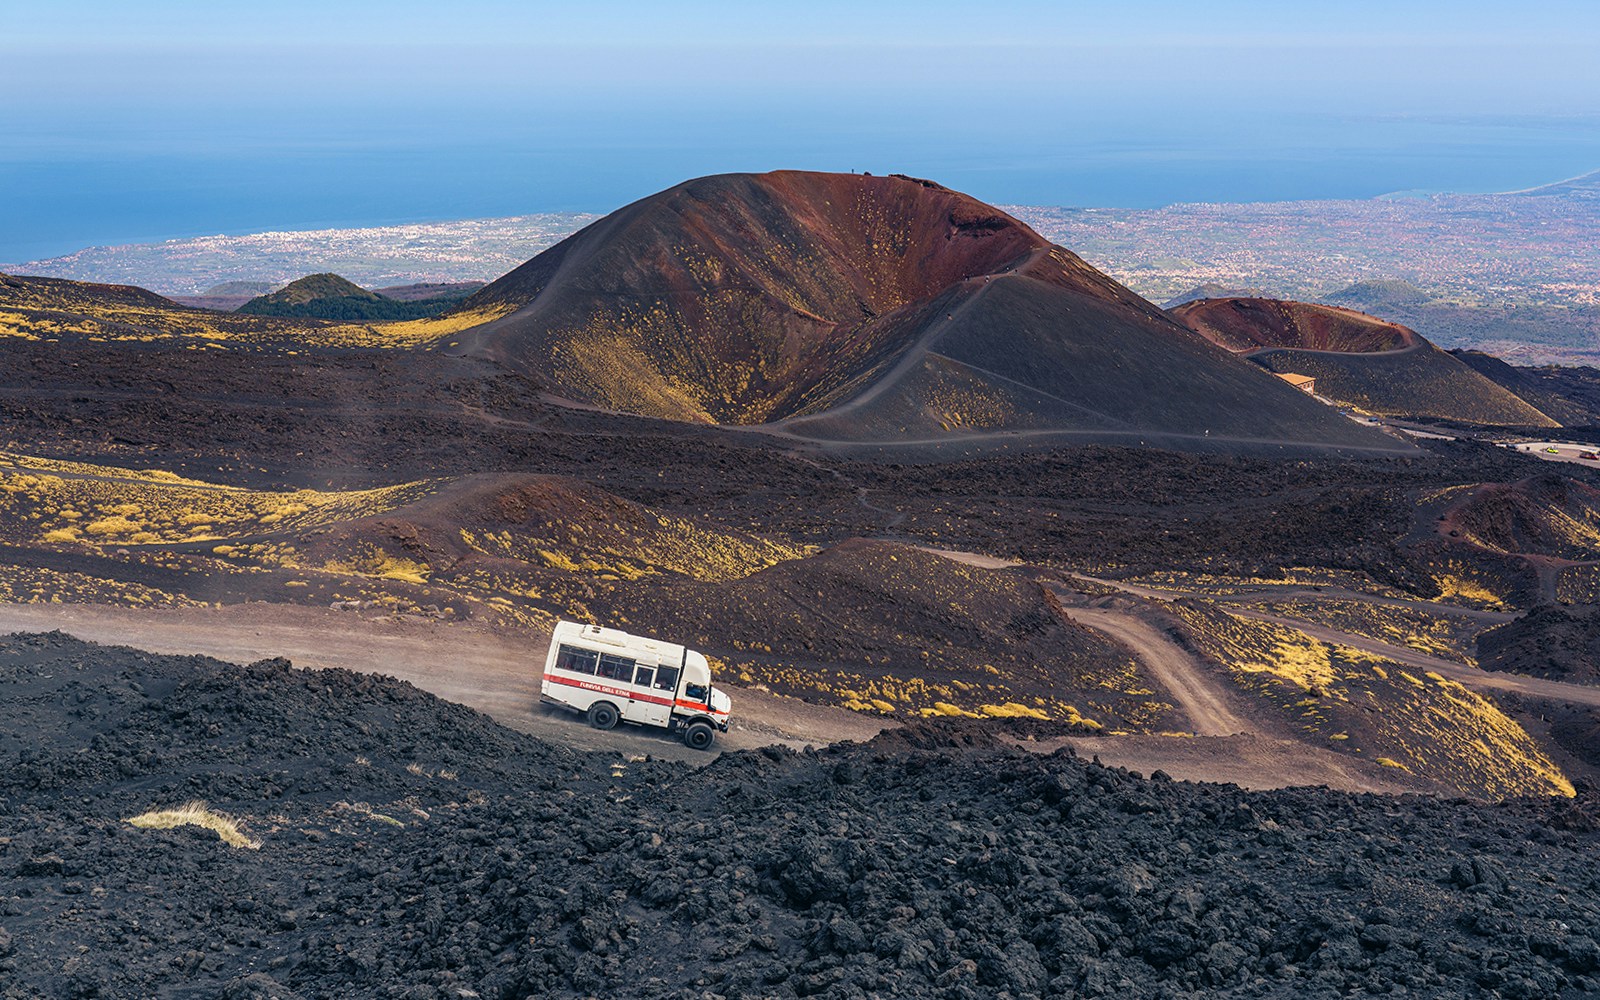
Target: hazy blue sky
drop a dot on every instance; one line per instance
(138, 121)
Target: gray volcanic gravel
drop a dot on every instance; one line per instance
(412, 848)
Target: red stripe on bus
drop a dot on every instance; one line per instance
(616, 692)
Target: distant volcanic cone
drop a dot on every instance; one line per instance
(867, 309)
(1357, 359)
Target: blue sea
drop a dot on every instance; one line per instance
(76, 181)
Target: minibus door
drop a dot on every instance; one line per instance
(648, 704)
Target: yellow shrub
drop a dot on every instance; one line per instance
(112, 526)
(196, 814)
(1011, 710)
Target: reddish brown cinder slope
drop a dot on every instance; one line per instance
(871, 310)
(1249, 324)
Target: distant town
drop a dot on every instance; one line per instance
(1470, 249)
(1515, 274)
(466, 250)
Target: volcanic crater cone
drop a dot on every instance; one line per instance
(868, 309)
(1548, 515)
(1358, 359)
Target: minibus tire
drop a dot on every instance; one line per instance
(699, 736)
(603, 715)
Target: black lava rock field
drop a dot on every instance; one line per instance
(412, 848)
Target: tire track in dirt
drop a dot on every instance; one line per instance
(499, 675)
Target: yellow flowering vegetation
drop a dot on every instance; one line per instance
(196, 814)
(47, 310)
(515, 550)
(905, 696)
(611, 538)
(1436, 631)
(69, 502)
(1368, 706)
(1464, 589)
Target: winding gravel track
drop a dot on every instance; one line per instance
(1536, 687)
(1197, 694)
(1299, 592)
(495, 674)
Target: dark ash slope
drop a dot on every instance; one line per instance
(1535, 385)
(868, 309)
(411, 848)
(1556, 641)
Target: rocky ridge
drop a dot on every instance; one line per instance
(413, 848)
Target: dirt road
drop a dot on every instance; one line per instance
(500, 676)
(908, 362)
(1298, 593)
(1559, 451)
(1536, 687)
(976, 559)
(1197, 694)
(460, 662)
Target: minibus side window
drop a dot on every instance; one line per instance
(580, 661)
(617, 668)
(667, 679)
(641, 675)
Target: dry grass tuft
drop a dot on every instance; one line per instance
(196, 814)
